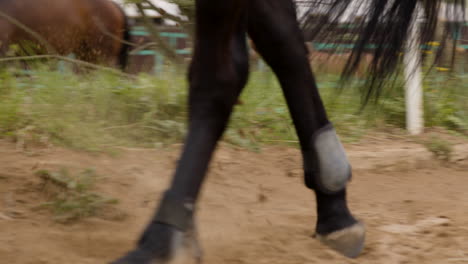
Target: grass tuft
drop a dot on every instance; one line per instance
(71, 197)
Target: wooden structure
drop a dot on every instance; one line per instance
(149, 60)
(144, 57)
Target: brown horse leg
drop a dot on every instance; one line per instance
(218, 72)
(275, 32)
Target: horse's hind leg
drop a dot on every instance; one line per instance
(275, 32)
(218, 72)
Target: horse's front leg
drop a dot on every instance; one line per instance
(217, 74)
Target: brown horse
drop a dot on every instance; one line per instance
(95, 31)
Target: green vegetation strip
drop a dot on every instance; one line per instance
(100, 110)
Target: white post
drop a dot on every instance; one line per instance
(413, 76)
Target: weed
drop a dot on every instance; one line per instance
(70, 196)
(441, 149)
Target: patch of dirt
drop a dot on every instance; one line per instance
(254, 207)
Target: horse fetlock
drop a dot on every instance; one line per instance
(175, 211)
(185, 248)
(326, 165)
(182, 248)
(164, 244)
(170, 237)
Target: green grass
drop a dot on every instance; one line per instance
(94, 111)
(71, 196)
(100, 110)
(441, 149)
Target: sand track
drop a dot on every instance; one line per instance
(254, 208)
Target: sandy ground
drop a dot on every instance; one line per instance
(254, 208)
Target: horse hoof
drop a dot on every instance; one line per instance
(165, 245)
(348, 241)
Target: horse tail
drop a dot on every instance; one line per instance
(382, 28)
(125, 47)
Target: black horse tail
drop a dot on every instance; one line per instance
(384, 24)
(125, 47)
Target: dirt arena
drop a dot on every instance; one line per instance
(254, 208)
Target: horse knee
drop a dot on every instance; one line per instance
(214, 102)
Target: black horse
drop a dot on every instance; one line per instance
(219, 71)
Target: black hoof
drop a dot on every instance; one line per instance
(136, 256)
(348, 241)
(164, 244)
